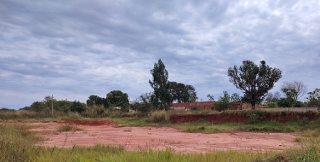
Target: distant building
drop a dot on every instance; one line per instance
(206, 105)
(209, 105)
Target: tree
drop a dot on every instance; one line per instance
(77, 107)
(143, 103)
(314, 98)
(235, 97)
(294, 89)
(117, 98)
(223, 102)
(160, 84)
(182, 93)
(96, 100)
(255, 81)
(286, 102)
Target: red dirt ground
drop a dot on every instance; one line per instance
(141, 138)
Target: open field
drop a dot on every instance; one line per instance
(161, 138)
(74, 138)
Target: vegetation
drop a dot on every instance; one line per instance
(160, 84)
(182, 93)
(68, 127)
(294, 89)
(117, 98)
(314, 98)
(255, 81)
(17, 144)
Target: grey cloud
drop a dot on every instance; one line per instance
(79, 48)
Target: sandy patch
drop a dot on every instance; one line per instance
(141, 138)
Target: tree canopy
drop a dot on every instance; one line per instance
(117, 98)
(160, 84)
(182, 93)
(255, 81)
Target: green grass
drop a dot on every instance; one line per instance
(17, 144)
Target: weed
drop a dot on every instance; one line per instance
(68, 127)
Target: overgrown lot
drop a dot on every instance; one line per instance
(17, 141)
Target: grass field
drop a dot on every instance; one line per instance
(17, 142)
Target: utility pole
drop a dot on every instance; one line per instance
(52, 104)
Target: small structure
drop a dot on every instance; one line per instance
(206, 105)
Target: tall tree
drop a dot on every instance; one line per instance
(160, 84)
(255, 81)
(294, 89)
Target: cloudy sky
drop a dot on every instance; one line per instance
(73, 49)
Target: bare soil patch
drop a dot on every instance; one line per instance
(143, 138)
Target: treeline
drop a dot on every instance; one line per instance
(253, 80)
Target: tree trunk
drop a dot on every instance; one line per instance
(253, 105)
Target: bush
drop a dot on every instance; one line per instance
(159, 116)
(77, 107)
(94, 111)
(286, 102)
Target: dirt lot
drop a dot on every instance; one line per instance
(141, 138)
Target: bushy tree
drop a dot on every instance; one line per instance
(255, 81)
(38, 106)
(286, 102)
(78, 107)
(160, 84)
(223, 102)
(117, 98)
(96, 100)
(182, 93)
(143, 103)
(314, 98)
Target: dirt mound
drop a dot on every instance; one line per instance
(88, 122)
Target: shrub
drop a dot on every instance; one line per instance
(68, 127)
(159, 116)
(77, 107)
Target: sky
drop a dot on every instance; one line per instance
(77, 48)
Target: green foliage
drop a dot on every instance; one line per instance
(160, 84)
(294, 89)
(223, 102)
(16, 142)
(77, 107)
(286, 102)
(117, 98)
(144, 103)
(271, 105)
(182, 93)
(255, 81)
(314, 98)
(96, 100)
